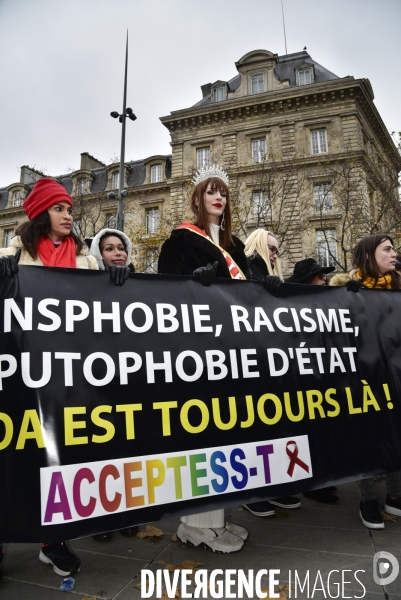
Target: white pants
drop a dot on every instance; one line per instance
(213, 518)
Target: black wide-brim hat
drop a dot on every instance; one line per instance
(305, 268)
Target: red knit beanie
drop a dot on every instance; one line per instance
(45, 193)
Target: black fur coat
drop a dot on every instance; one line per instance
(184, 251)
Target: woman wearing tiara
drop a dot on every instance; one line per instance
(209, 240)
(207, 249)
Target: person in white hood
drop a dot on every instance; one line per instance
(112, 249)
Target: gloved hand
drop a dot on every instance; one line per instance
(354, 285)
(119, 274)
(8, 266)
(206, 275)
(272, 282)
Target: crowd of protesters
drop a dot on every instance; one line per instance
(205, 248)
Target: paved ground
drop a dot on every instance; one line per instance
(315, 537)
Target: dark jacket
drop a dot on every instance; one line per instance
(184, 251)
(257, 268)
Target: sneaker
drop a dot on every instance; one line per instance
(63, 560)
(393, 507)
(260, 509)
(1, 561)
(323, 495)
(286, 502)
(370, 514)
(218, 539)
(237, 530)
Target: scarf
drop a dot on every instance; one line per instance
(384, 282)
(65, 255)
(233, 268)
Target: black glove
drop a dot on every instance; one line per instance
(119, 274)
(354, 285)
(206, 275)
(272, 282)
(8, 266)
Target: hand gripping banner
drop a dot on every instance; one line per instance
(123, 405)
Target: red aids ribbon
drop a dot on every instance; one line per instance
(294, 460)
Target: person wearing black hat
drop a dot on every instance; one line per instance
(310, 272)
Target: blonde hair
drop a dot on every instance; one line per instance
(258, 242)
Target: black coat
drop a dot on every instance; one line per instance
(184, 251)
(257, 268)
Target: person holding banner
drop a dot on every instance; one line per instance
(207, 249)
(261, 250)
(48, 239)
(374, 260)
(112, 250)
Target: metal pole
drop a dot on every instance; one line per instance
(120, 212)
(285, 38)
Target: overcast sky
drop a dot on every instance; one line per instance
(62, 66)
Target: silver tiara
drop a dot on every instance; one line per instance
(211, 171)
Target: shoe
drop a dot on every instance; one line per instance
(237, 530)
(260, 509)
(103, 537)
(63, 560)
(129, 531)
(393, 507)
(286, 502)
(1, 561)
(322, 495)
(370, 514)
(218, 539)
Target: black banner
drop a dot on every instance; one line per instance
(124, 405)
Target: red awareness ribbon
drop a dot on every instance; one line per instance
(294, 460)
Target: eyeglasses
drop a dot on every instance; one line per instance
(273, 250)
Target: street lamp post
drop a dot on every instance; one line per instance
(127, 112)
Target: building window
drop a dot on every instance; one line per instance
(81, 185)
(203, 157)
(111, 221)
(8, 236)
(326, 247)
(257, 83)
(323, 197)
(319, 141)
(304, 76)
(258, 151)
(115, 180)
(17, 198)
(151, 256)
(219, 93)
(156, 174)
(261, 207)
(152, 220)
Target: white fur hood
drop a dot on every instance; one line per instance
(95, 249)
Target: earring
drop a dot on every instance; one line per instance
(223, 222)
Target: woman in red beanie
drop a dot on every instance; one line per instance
(47, 239)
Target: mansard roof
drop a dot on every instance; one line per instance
(284, 70)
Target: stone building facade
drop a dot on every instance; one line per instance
(308, 156)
